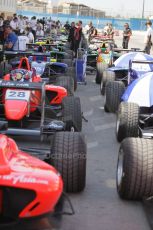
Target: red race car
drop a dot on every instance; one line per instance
(26, 99)
(30, 187)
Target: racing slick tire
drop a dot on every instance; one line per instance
(99, 75)
(127, 121)
(68, 61)
(69, 52)
(71, 72)
(114, 91)
(71, 113)
(107, 76)
(68, 156)
(134, 174)
(66, 82)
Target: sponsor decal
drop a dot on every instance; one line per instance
(23, 179)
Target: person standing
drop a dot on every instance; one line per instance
(11, 42)
(90, 32)
(148, 39)
(110, 31)
(33, 25)
(127, 32)
(71, 36)
(23, 40)
(77, 36)
(28, 32)
(15, 25)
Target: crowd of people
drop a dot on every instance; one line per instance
(18, 30)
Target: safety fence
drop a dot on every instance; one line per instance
(135, 23)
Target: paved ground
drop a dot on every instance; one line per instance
(99, 207)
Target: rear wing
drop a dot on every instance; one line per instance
(139, 62)
(43, 45)
(128, 50)
(142, 70)
(102, 40)
(142, 61)
(22, 85)
(16, 53)
(25, 53)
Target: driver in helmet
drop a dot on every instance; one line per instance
(20, 75)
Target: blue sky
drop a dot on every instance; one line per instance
(123, 7)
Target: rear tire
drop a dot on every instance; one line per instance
(69, 62)
(100, 68)
(114, 91)
(68, 156)
(71, 111)
(135, 169)
(107, 76)
(71, 72)
(66, 82)
(127, 122)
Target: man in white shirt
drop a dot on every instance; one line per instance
(21, 23)
(29, 35)
(23, 40)
(148, 39)
(1, 21)
(14, 24)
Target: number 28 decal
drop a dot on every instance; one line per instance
(17, 95)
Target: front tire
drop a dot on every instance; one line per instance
(68, 156)
(72, 115)
(107, 77)
(127, 122)
(135, 169)
(114, 91)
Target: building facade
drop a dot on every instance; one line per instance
(39, 6)
(77, 9)
(8, 7)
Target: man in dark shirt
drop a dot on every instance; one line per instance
(77, 37)
(126, 35)
(67, 27)
(71, 36)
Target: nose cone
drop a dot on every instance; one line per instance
(15, 109)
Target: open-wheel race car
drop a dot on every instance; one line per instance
(134, 127)
(26, 100)
(135, 113)
(120, 68)
(105, 58)
(116, 89)
(57, 73)
(30, 187)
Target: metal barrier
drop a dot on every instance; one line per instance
(135, 23)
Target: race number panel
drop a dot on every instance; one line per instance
(23, 95)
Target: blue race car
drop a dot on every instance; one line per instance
(116, 89)
(135, 112)
(119, 70)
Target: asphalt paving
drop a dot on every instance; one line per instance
(99, 206)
